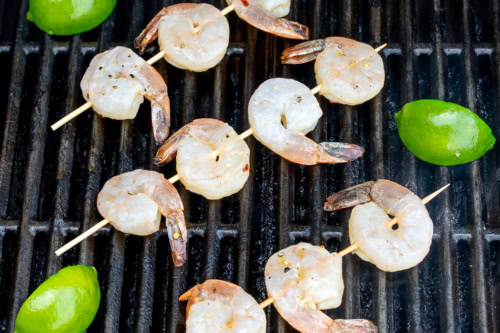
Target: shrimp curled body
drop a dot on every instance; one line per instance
(303, 280)
(222, 307)
(115, 83)
(211, 159)
(390, 250)
(349, 72)
(186, 47)
(281, 112)
(134, 202)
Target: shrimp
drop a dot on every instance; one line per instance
(254, 13)
(134, 202)
(304, 279)
(184, 46)
(116, 82)
(212, 174)
(218, 306)
(281, 112)
(390, 250)
(278, 8)
(349, 72)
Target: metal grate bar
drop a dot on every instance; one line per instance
(479, 276)
(448, 303)
(414, 316)
(13, 109)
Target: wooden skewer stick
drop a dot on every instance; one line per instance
(424, 201)
(72, 115)
(354, 246)
(96, 227)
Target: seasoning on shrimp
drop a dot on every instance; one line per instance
(281, 112)
(219, 306)
(349, 72)
(134, 202)
(185, 46)
(304, 279)
(115, 83)
(390, 250)
(211, 159)
(265, 15)
(277, 8)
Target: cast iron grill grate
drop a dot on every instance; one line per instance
(50, 180)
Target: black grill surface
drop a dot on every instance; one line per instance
(49, 181)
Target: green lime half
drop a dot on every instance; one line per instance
(69, 17)
(443, 133)
(66, 303)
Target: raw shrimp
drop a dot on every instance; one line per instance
(133, 202)
(281, 112)
(184, 46)
(221, 307)
(116, 82)
(254, 13)
(278, 8)
(349, 72)
(303, 280)
(202, 170)
(390, 250)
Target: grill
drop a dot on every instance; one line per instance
(49, 181)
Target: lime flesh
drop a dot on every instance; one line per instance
(67, 302)
(443, 133)
(69, 17)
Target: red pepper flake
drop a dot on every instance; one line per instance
(88, 96)
(245, 169)
(245, 3)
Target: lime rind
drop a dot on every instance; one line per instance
(66, 302)
(67, 17)
(443, 133)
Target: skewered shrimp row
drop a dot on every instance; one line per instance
(195, 36)
(303, 279)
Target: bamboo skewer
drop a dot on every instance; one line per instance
(354, 246)
(96, 227)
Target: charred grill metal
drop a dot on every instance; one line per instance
(49, 181)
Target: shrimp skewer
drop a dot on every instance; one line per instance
(353, 195)
(115, 85)
(219, 306)
(370, 230)
(347, 71)
(304, 279)
(134, 202)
